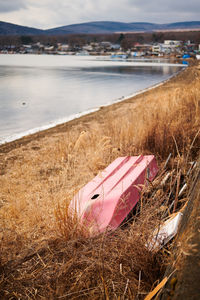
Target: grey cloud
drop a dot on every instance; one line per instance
(54, 13)
(166, 6)
(11, 5)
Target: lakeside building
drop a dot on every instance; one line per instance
(141, 49)
(172, 43)
(167, 48)
(63, 47)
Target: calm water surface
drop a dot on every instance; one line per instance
(39, 91)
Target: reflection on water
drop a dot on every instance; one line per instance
(37, 90)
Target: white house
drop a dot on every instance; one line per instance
(167, 47)
(64, 47)
(172, 43)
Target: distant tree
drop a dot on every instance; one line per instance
(94, 39)
(125, 40)
(26, 39)
(157, 37)
(9, 41)
(127, 43)
(121, 38)
(140, 39)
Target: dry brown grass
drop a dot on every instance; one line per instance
(44, 251)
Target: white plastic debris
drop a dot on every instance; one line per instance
(165, 232)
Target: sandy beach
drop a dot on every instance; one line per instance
(40, 173)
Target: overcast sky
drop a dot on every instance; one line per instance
(46, 14)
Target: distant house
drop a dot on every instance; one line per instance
(27, 48)
(106, 45)
(38, 46)
(172, 43)
(156, 49)
(145, 48)
(191, 47)
(169, 46)
(63, 47)
(87, 48)
(49, 48)
(159, 49)
(115, 46)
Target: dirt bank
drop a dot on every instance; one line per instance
(185, 267)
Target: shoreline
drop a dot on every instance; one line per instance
(17, 139)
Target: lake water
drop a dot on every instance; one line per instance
(39, 91)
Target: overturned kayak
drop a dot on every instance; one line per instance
(106, 200)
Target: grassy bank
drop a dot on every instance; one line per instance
(44, 253)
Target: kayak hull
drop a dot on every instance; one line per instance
(106, 200)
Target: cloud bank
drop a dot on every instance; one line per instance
(53, 13)
(10, 6)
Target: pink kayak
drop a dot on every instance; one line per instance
(105, 201)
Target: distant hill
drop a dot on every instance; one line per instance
(184, 25)
(102, 27)
(111, 27)
(96, 28)
(12, 29)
